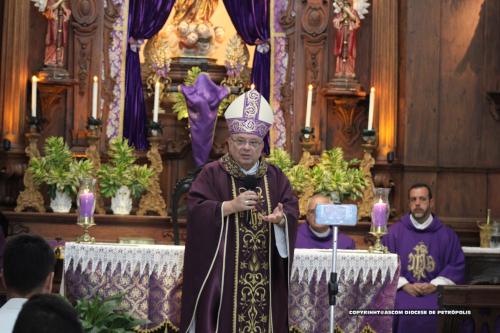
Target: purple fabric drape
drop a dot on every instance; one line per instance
(146, 18)
(251, 20)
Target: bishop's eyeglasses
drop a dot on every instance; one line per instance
(240, 142)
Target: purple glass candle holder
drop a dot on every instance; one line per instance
(380, 212)
(380, 215)
(86, 206)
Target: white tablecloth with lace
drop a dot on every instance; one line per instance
(150, 276)
(366, 281)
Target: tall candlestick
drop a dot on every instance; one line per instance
(34, 81)
(308, 105)
(156, 101)
(379, 214)
(370, 108)
(94, 98)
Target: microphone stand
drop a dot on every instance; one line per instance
(333, 286)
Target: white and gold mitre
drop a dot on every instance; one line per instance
(250, 113)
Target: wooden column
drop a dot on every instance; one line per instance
(384, 73)
(14, 75)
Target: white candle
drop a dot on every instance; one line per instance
(308, 105)
(34, 81)
(370, 108)
(156, 104)
(94, 98)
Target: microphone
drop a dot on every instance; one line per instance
(250, 182)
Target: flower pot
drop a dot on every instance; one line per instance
(121, 203)
(61, 203)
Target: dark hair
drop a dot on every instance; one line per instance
(47, 313)
(27, 262)
(420, 185)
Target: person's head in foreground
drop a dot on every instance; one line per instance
(28, 266)
(47, 313)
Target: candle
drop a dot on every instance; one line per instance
(379, 214)
(308, 105)
(252, 86)
(34, 81)
(156, 101)
(94, 98)
(86, 204)
(370, 108)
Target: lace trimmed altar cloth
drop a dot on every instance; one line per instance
(150, 276)
(366, 282)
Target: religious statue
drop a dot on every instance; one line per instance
(196, 11)
(347, 19)
(191, 24)
(58, 15)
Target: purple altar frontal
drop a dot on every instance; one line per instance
(150, 276)
(367, 282)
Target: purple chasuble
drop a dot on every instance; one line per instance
(203, 99)
(234, 278)
(306, 239)
(425, 255)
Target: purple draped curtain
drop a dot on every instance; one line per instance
(251, 20)
(145, 19)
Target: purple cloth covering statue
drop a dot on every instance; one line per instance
(425, 255)
(306, 239)
(203, 99)
(234, 278)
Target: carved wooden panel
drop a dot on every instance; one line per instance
(87, 54)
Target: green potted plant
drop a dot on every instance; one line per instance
(60, 171)
(106, 316)
(330, 174)
(121, 177)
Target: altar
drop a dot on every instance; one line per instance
(150, 276)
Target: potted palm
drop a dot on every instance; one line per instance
(60, 171)
(106, 315)
(121, 178)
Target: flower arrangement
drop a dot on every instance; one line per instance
(58, 168)
(121, 171)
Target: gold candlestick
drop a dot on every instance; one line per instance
(153, 200)
(92, 153)
(369, 145)
(30, 197)
(86, 223)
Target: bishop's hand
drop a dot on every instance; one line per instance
(277, 216)
(244, 201)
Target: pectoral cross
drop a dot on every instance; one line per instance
(258, 212)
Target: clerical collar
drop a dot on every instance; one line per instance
(323, 234)
(421, 226)
(234, 169)
(252, 171)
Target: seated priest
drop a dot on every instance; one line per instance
(312, 235)
(430, 255)
(242, 217)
